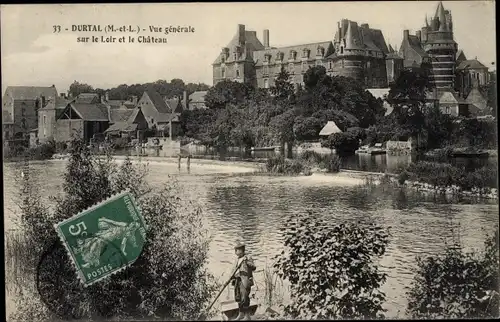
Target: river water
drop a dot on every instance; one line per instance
(255, 208)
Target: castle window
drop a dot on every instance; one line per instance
(330, 65)
(304, 66)
(266, 83)
(223, 71)
(291, 68)
(235, 56)
(342, 63)
(44, 122)
(341, 49)
(237, 73)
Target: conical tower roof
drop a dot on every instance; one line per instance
(391, 50)
(441, 16)
(350, 39)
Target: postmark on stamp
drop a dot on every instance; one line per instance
(90, 237)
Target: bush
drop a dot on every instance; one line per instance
(330, 162)
(168, 280)
(278, 164)
(331, 269)
(403, 176)
(346, 142)
(43, 151)
(457, 285)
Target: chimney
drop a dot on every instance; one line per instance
(266, 38)
(241, 34)
(419, 35)
(108, 109)
(107, 96)
(134, 99)
(406, 34)
(184, 100)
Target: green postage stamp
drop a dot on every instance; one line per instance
(105, 238)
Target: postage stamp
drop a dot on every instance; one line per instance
(105, 238)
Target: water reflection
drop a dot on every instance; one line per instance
(255, 208)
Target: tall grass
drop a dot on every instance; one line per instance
(17, 270)
(329, 162)
(273, 287)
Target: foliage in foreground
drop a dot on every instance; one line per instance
(330, 162)
(332, 269)
(457, 284)
(168, 280)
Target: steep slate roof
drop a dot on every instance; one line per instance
(461, 56)
(252, 43)
(167, 117)
(119, 115)
(329, 128)
(174, 105)
(450, 98)
(122, 127)
(91, 112)
(197, 97)
(87, 98)
(471, 64)
(59, 103)
(476, 98)
(30, 92)
(412, 51)
(157, 101)
(259, 58)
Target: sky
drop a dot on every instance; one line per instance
(33, 55)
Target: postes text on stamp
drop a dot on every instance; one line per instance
(105, 238)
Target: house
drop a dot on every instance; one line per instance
(20, 105)
(451, 103)
(478, 104)
(197, 100)
(130, 103)
(47, 117)
(330, 128)
(131, 124)
(85, 117)
(158, 114)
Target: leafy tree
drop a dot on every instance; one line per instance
(345, 142)
(283, 89)
(77, 88)
(408, 96)
(332, 270)
(227, 92)
(167, 281)
(306, 128)
(456, 284)
(490, 92)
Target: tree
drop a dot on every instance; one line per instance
(343, 143)
(283, 89)
(168, 280)
(227, 92)
(408, 96)
(306, 128)
(77, 88)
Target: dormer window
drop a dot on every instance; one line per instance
(267, 58)
(223, 72)
(237, 73)
(305, 53)
(330, 65)
(294, 54)
(320, 51)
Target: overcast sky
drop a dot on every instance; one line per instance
(33, 55)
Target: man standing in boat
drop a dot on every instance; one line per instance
(243, 281)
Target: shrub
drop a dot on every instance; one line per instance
(346, 142)
(43, 151)
(330, 162)
(331, 269)
(168, 280)
(456, 284)
(403, 176)
(278, 164)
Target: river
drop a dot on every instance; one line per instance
(254, 208)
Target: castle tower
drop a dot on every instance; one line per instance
(441, 48)
(349, 49)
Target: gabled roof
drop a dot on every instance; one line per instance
(157, 101)
(449, 97)
(167, 117)
(471, 64)
(59, 103)
(476, 98)
(198, 97)
(174, 105)
(122, 127)
(90, 112)
(30, 92)
(461, 56)
(119, 115)
(259, 56)
(329, 128)
(87, 98)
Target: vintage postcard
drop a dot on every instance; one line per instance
(250, 161)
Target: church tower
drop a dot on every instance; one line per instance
(438, 43)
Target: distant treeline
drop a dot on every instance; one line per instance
(175, 87)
